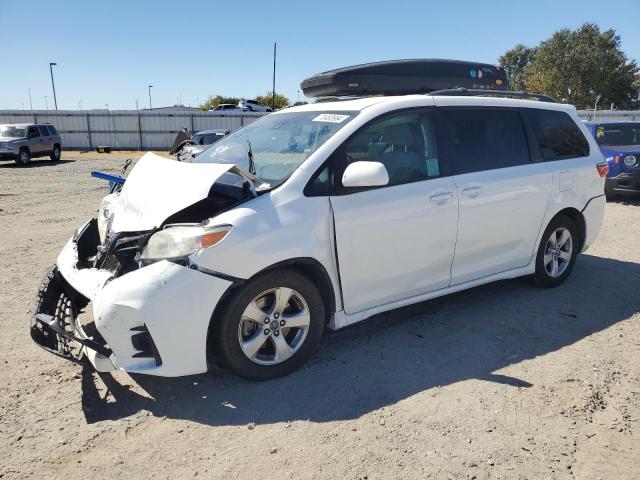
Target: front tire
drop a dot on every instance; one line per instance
(270, 326)
(557, 252)
(24, 157)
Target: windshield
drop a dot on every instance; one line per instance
(10, 131)
(278, 143)
(618, 134)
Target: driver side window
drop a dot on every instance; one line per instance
(405, 143)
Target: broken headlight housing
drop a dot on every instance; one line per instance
(179, 241)
(105, 214)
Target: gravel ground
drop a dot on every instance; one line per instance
(503, 381)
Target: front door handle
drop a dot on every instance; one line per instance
(441, 197)
(471, 191)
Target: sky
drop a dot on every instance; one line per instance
(108, 52)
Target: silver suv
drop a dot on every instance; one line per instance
(23, 141)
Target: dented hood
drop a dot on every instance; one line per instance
(157, 188)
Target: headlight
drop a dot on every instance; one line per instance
(182, 241)
(630, 160)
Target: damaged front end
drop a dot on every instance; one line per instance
(137, 302)
(59, 323)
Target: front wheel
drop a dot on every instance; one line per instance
(24, 157)
(557, 252)
(270, 326)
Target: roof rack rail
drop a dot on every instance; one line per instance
(491, 93)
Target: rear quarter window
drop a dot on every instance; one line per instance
(557, 135)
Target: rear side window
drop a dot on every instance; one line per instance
(557, 134)
(43, 130)
(477, 139)
(52, 130)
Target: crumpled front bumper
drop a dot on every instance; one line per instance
(154, 319)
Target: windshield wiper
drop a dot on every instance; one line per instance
(252, 166)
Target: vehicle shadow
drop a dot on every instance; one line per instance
(633, 200)
(468, 335)
(37, 163)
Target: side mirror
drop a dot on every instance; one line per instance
(365, 174)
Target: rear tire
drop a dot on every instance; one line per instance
(24, 157)
(557, 252)
(267, 347)
(55, 154)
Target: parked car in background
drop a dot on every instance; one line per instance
(23, 141)
(253, 106)
(226, 106)
(619, 142)
(209, 137)
(199, 142)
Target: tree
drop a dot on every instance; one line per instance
(578, 65)
(267, 99)
(516, 62)
(213, 101)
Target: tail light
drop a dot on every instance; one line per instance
(603, 169)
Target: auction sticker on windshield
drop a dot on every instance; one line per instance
(330, 118)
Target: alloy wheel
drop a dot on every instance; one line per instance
(274, 326)
(24, 157)
(558, 252)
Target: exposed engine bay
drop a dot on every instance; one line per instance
(115, 244)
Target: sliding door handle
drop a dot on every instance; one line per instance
(441, 197)
(471, 191)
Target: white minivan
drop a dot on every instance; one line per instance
(321, 216)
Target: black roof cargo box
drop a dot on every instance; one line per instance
(404, 77)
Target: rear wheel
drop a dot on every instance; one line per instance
(55, 154)
(270, 326)
(24, 157)
(557, 252)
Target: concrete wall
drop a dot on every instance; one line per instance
(126, 129)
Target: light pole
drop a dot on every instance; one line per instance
(150, 87)
(46, 103)
(53, 85)
(273, 88)
(108, 122)
(298, 99)
(595, 106)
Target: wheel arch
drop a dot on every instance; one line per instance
(577, 217)
(317, 273)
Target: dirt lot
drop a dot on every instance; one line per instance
(503, 381)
